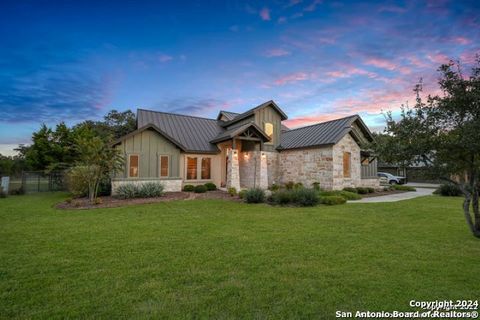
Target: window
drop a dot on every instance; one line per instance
(133, 166)
(346, 164)
(365, 161)
(164, 166)
(268, 129)
(206, 168)
(191, 168)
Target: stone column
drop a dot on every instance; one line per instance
(233, 170)
(262, 170)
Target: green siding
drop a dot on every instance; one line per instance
(149, 145)
(269, 114)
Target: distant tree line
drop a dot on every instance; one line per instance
(57, 148)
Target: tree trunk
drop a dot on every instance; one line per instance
(476, 213)
(468, 217)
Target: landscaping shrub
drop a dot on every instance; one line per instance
(241, 194)
(188, 188)
(449, 190)
(350, 189)
(77, 181)
(200, 189)
(347, 195)
(232, 191)
(255, 195)
(150, 190)
(370, 190)
(127, 191)
(98, 201)
(333, 200)
(298, 185)
(289, 185)
(17, 192)
(361, 190)
(2, 194)
(105, 187)
(274, 187)
(282, 197)
(210, 186)
(403, 188)
(316, 186)
(305, 197)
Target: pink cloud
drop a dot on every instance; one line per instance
(277, 52)
(164, 58)
(381, 63)
(265, 14)
(351, 72)
(293, 77)
(438, 58)
(462, 40)
(308, 120)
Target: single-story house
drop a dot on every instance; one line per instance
(244, 150)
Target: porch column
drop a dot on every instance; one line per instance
(262, 168)
(233, 170)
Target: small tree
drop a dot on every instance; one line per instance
(444, 134)
(98, 160)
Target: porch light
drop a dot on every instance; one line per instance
(263, 155)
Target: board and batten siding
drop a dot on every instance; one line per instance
(149, 145)
(269, 115)
(370, 170)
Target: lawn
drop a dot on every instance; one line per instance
(219, 259)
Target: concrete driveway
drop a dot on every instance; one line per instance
(398, 196)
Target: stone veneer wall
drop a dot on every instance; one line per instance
(233, 170)
(307, 166)
(253, 169)
(170, 185)
(370, 182)
(346, 144)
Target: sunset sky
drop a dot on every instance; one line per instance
(319, 60)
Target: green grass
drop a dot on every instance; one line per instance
(218, 259)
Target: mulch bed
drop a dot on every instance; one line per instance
(381, 193)
(111, 202)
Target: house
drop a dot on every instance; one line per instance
(250, 149)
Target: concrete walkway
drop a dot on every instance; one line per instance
(397, 196)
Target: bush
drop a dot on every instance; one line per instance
(105, 187)
(200, 189)
(349, 195)
(98, 201)
(305, 197)
(282, 197)
(232, 191)
(17, 192)
(77, 180)
(188, 188)
(449, 190)
(241, 194)
(210, 186)
(349, 189)
(316, 186)
(370, 190)
(150, 190)
(274, 187)
(403, 188)
(2, 194)
(255, 195)
(298, 185)
(127, 191)
(289, 185)
(362, 190)
(333, 200)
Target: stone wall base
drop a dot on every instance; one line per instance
(372, 183)
(169, 185)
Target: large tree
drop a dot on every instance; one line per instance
(443, 132)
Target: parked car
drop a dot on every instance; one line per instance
(391, 178)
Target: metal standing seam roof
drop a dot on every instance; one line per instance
(194, 133)
(229, 115)
(230, 133)
(325, 133)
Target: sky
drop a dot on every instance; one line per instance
(318, 60)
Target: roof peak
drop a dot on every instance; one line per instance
(176, 114)
(319, 123)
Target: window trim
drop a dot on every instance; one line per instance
(186, 168)
(209, 169)
(349, 164)
(138, 165)
(273, 131)
(199, 168)
(160, 165)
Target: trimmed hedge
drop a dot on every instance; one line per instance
(200, 189)
(350, 189)
(403, 188)
(361, 190)
(188, 188)
(255, 195)
(333, 200)
(210, 186)
(303, 197)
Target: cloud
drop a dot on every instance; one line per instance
(290, 78)
(265, 14)
(392, 9)
(438, 58)
(164, 58)
(293, 3)
(381, 63)
(313, 5)
(193, 106)
(276, 52)
(461, 40)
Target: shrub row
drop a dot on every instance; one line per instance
(143, 190)
(302, 197)
(347, 195)
(403, 188)
(449, 190)
(201, 188)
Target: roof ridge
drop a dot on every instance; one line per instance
(316, 124)
(177, 114)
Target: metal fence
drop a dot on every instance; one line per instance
(38, 181)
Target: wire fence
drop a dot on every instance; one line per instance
(37, 181)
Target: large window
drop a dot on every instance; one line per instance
(191, 168)
(133, 166)
(347, 164)
(268, 127)
(206, 168)
(164, 166)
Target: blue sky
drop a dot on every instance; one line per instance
(75, 60)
